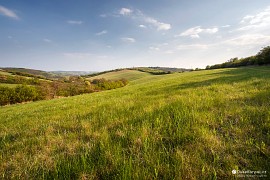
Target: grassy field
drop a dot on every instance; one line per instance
(8, 85)
(195, 125)
(5, 73)
(127, 74)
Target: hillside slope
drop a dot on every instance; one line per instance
(127, 74)
(191, 125)
(34, 72)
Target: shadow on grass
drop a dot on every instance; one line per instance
(229, 77)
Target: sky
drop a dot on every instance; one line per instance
(98, 35)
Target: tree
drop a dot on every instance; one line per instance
(263, 57)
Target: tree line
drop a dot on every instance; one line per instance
(261, 58)
(44, 90)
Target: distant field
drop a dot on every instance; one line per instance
(8, 85)
(194, 125)
(5, 73)
(127, 74)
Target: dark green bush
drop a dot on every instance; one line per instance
(7, 96)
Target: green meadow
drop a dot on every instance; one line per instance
(193, 125)
(127, 74)
(8, 85)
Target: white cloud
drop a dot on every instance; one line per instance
(125, 11)
(103, 15)
(7, 12)
(226, 26)
(102, 56)
(102, 33)
(128, 40)
(195, 36)
(74, 22)
(77, 55)
(169, 52)
(139, 16)
(142, 26)
(159, 25)
(258, 21)
(154, 48)
(247, 18)
(195, 31)
(192, 46)
(47, 40)
(249, 39)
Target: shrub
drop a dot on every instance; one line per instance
(6, 96)
(26, 93)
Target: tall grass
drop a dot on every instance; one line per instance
(197, 125)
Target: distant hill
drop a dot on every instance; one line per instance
(169, 69)
(151, 70)
(120, 74)
(30, 72)
(72, 73)
(160, 70)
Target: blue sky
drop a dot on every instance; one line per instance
(96, 35)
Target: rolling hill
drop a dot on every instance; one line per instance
(196, 125)
(125, 73)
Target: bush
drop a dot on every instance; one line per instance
(26, 93)
(7, 96)
(21, 93)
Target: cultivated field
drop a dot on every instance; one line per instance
(194, 125)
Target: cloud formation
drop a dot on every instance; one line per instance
(159, 25)
(128, 40)
(249, 39)
(7, 12)
(125, 11)
(74, 22)
(142, 26)
(47, 40)
(259, 20)
(102, 33)
(140, 16)
(195, 31)
(77, 55)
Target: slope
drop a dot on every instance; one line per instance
(193, 125)
(127, 74)
(31, 72)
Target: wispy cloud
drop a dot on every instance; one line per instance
(102, 33)
(159, 25)
(154, 48)
(142, 26)
(140, 16)
(249, 39)
(226, 26)
(260, 20)
(47, 40)
(74, 22)
(195, 31)
(192, 46)
(78, 55)
(128, 40)
(103, 15)
(125, 11)
(7, 12)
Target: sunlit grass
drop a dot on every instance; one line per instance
(8, 85)
(197, 125)
(116, 75)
